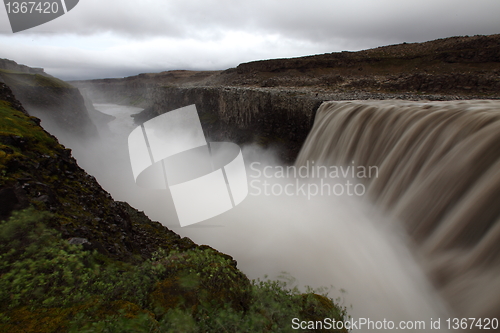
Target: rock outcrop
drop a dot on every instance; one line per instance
(11, 65)
(59, 105)
(243, 115)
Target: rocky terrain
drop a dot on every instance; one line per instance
(273, 102)
(457, 65)
(37, 171)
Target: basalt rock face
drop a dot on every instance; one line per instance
(243, 115)
(274, 117)
(59, 105)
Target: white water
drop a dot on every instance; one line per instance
(334, 241)
(439, 179)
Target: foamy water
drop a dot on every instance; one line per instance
(340, 241)
(439, 180)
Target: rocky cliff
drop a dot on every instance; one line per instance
(37, 171)
(59, 105)
(11, 65)
(276, 118)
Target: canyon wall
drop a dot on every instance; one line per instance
(271, 118)
(273, 102)
(136, 90)
(59, 105)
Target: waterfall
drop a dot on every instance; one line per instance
(434, 186)
(439, 177)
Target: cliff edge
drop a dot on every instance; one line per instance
(59, 105)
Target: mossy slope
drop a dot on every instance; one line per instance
(36, 170)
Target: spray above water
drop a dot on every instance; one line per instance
(337, 239)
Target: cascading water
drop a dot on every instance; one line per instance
(439, 175)
(435, 172)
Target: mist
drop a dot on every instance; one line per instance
(340, 242)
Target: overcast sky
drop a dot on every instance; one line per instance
(117, 38)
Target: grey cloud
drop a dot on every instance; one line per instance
(310, 20)
(116, 38)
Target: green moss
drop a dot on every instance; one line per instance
(41, 320)
(14, 123)
(172, 293)
(318, 307)
(201, 277)
(45, 81)
(48, 285)
(119, 308)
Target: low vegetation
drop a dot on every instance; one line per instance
(50, 285)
